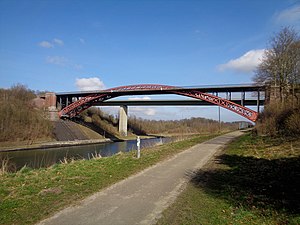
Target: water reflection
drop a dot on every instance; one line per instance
(46, 157)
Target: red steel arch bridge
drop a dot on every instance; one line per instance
(71, 104)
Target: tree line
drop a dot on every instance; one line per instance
(191, 125)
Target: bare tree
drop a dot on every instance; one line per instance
(280, 64)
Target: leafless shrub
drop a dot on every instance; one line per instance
(279, 119)
(292, 123)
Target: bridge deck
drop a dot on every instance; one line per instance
(171, 103)
(206, 89)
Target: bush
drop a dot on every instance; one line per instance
(279, 120)
(292, 123)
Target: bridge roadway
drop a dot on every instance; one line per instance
(204, 89)
(173, 103)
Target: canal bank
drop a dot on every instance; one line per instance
(56, 144)
(57, 153)
(33, 194)
(53, 144)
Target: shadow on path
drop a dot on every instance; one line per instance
(253, 182)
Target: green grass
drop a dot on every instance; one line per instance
(255, 180)
(30, 195)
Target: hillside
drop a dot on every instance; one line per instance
(20, 120)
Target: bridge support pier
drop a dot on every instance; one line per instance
(50, 103)
(123, 120)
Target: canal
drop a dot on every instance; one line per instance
(45, 157)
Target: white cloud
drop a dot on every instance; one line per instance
(291, 15)
(57, 60)
(45, 44)
(143, 111)
(139, 98)
(58, 42)
(246, 63)
(89, 84)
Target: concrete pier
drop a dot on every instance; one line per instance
(50, 103)
(123, 120)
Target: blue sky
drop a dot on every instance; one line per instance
(63, 45)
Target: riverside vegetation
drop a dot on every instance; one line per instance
(30, 195)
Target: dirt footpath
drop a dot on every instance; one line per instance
(141, 198)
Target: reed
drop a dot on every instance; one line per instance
(96, 155)
(6, 166)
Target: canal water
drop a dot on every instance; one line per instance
(38, 158)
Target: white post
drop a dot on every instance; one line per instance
(138, 144)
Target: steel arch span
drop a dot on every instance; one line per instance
(85, 102)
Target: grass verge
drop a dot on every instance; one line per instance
(255, 180)
(28, 195)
